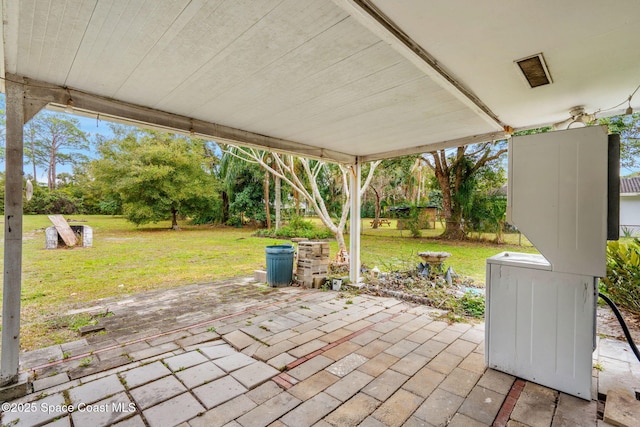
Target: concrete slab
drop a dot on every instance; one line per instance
(347, 364)
(281, 360)
(157, 391)
(622, 409)
(385, 385)
(307, 348)
(135, 421)
(219, 391)
(482, 405)
(460, 381)
(233, 361)
(185, 360)
(16, 390)
(439, 408)
(572, 411)
(238, 339)
(353, 411)
(535, 406)
(35, 412)
(96, 390)
(254, 374)
(45, 383)
(144, 374)
(310, 367)
(269, 411)
(396, 409)
(41, 356)
(410, 364)
(264, 392)
(225, 413)
(66, 422)
(349, 385)
(105, 412)
(378, 364)
(310, 411)
(496, 381)
(200, 374)
(174, 411)
(615, 374)
(218, 351)
(313, 385)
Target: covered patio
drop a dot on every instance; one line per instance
(346, 81)
(293, 357)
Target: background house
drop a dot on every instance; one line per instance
(630, 206)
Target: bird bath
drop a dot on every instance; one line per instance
(434, 259)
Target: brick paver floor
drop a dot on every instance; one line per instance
(291, 357)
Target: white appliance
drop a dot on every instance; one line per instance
(541, 309)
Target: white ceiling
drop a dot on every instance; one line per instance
(322, 73)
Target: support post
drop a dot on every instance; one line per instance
(354, 226)
(12, 233)
(278, 202)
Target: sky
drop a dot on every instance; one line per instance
(89, 126)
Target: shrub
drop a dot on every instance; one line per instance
(472, 304)
(622, 283)
(299, 227)
(52, 202)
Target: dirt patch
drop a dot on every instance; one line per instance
(608, 324)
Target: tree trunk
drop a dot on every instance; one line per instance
(342, 256)
(225, 207)
(51, 181)
(296, 198)
(33, 153)
(174, 219)
(453, 227)
(267, 210)
(376, 219)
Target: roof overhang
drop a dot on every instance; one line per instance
(342, 80)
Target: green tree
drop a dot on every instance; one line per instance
(628, 126)
(394, 182)
(156, 175)
(308, 178)
(246, 189)
(455, 172)
(53, 139)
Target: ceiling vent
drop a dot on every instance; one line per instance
(535, 70)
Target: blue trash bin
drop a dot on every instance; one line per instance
(279, 265)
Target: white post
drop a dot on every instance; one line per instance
(12, 234)
(278, 202)
(354, 234)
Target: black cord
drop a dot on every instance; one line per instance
(622, 323)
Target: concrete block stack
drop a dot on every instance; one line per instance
(313, 263)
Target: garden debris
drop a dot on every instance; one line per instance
(446, 291)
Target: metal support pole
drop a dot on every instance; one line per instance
(12, 234)
(354, 236)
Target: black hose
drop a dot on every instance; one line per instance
(623, 324)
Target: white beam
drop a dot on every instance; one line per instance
(12, 232)
(427, 148)
(354, 226)
(109, 109)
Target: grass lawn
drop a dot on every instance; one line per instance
(126, 259)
